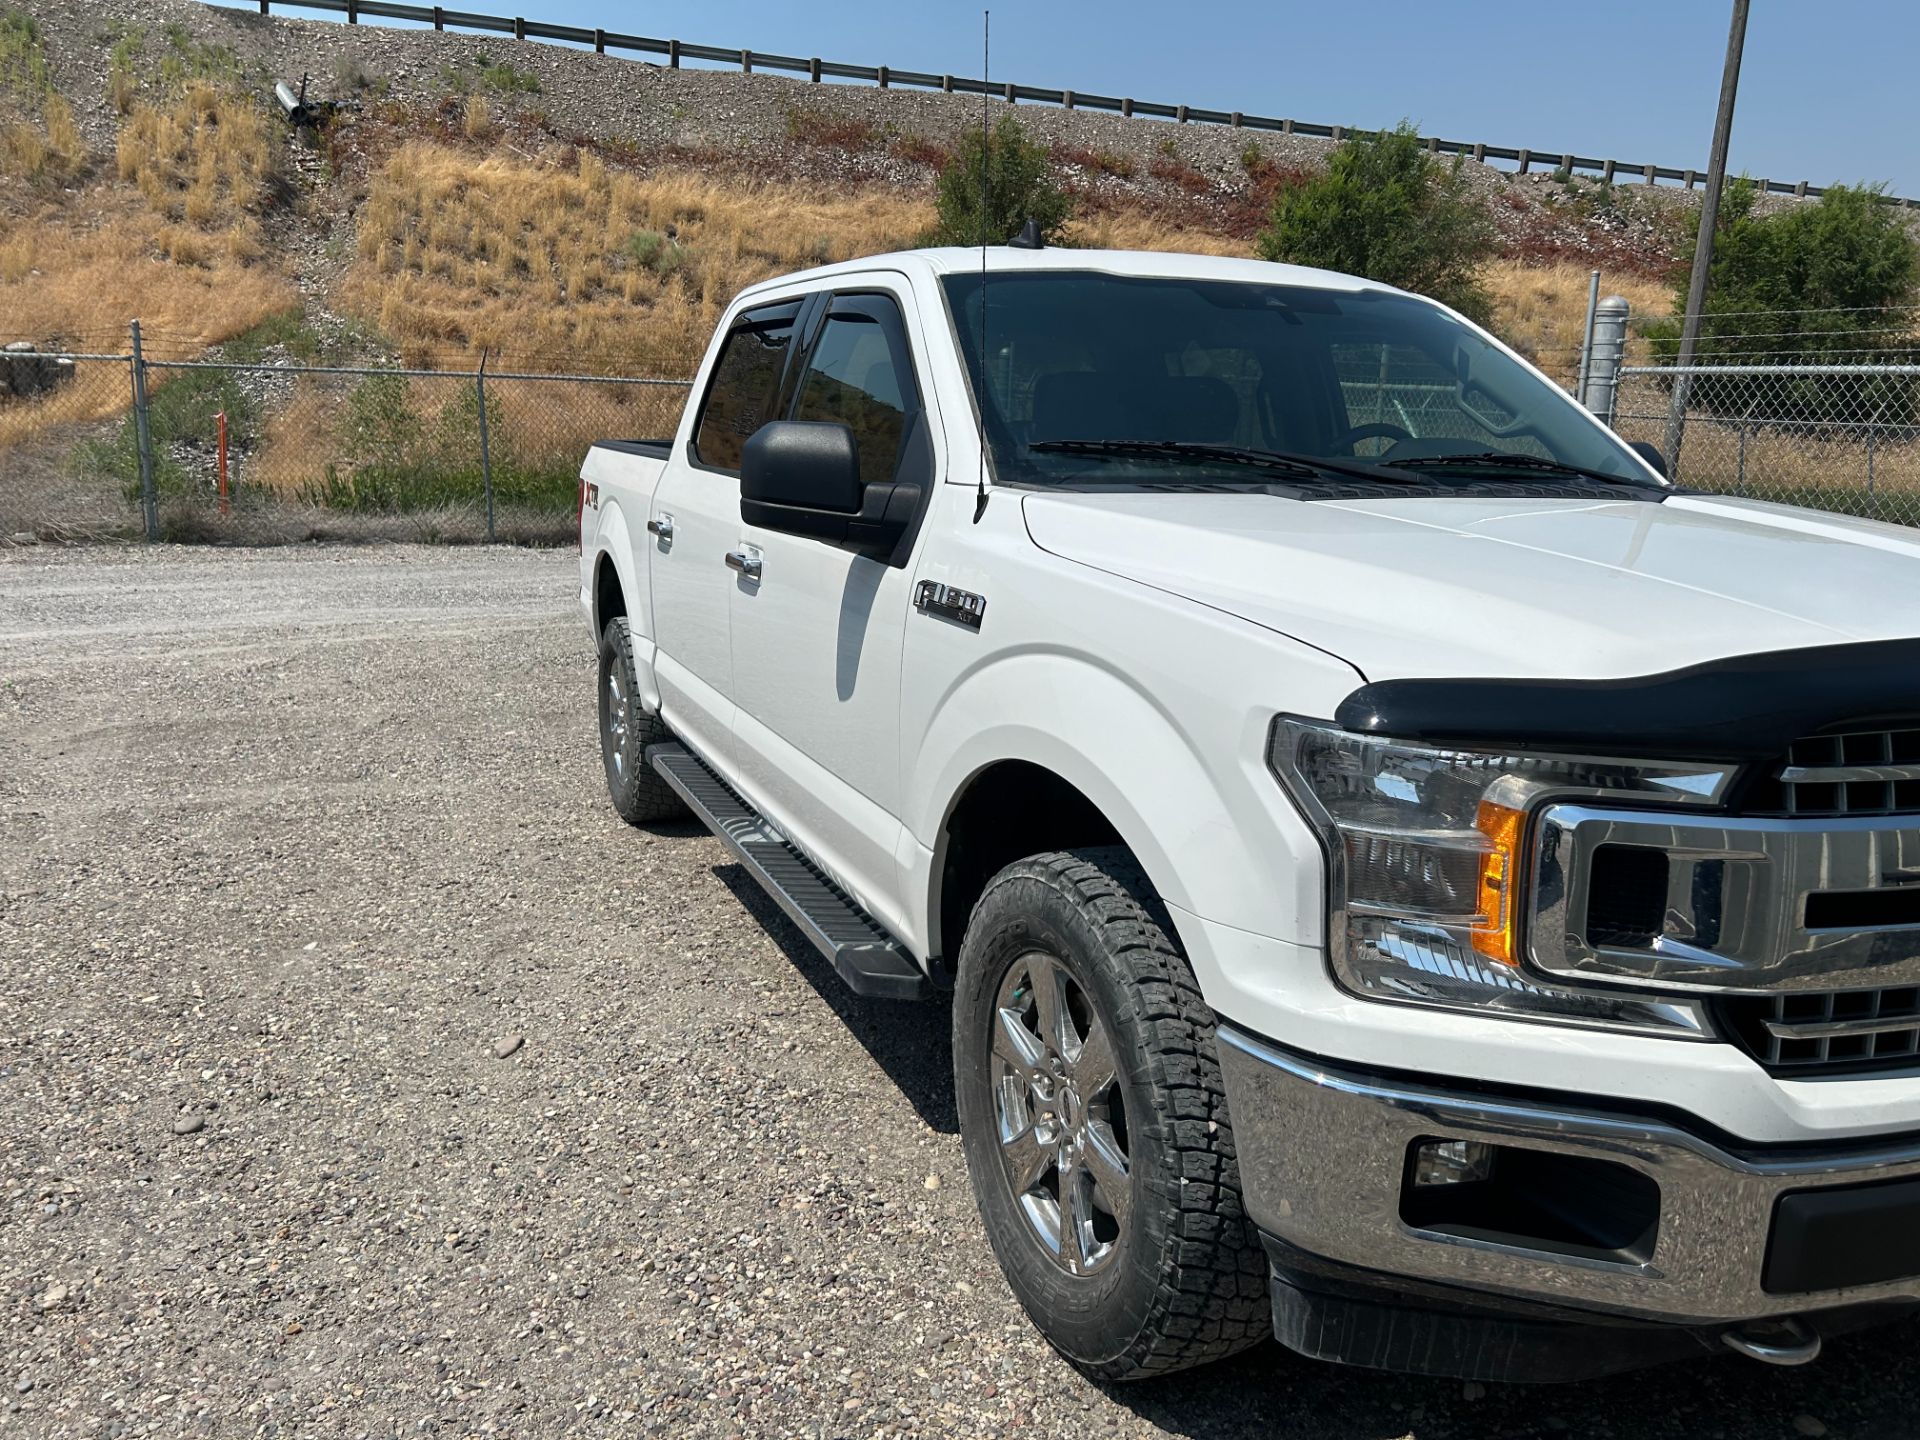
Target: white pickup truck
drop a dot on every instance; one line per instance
(1407, 879)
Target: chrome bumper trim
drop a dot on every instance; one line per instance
(1323, 1158)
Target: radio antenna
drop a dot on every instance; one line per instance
(986, 171)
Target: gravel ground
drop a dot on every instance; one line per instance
(362, 1075)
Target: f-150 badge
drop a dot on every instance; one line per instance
(963, 607)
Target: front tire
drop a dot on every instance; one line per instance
(1095, 1124)
(638, 792)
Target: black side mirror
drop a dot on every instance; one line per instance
(802, 477)
(799, 465)
(1650, 452)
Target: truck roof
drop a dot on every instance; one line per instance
(1001, 259)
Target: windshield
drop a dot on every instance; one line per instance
(1081, 362)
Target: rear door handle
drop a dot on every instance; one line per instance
(746, 560)
(662, 526)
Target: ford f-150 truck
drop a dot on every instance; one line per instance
(1407, 878)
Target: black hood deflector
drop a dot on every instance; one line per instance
(1748, 707)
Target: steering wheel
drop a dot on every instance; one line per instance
(1375, 431)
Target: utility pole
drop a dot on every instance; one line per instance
(1703, 246)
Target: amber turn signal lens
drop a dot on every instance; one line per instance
(1495, 937)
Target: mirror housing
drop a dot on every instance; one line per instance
(1650, 452)
(799, 465)
(802, 477)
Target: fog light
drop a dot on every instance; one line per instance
(1451, 1162)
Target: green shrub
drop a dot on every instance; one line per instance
(1388, 210)
(1017, 180)
(653, 251)
(1807, 285)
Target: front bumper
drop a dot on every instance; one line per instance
(1325, 1170)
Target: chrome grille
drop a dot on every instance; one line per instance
(1829, 1031)
(1866, 772)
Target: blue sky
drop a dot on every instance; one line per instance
(1820, 96)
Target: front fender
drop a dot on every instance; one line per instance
(1186, 789)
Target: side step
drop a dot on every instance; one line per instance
(870, 960)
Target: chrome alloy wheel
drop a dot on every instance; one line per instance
(1061, 1114)
(616, 702)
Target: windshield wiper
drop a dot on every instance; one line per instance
(1507, 460)
(1304, 467)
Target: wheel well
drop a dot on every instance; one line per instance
(1007, 811)
(609, 600)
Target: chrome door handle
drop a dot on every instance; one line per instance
(746, 560)
(661, 526)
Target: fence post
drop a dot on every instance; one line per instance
(1740, 470)
(1586, 338)
(486, 460)
(1609, 349)
(143, 439)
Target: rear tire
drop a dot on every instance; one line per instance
(638, 792)
(1101, 1159)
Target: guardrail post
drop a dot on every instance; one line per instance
(1286, 127)
(882, 77)
(439, 17)
(1647, 177)
(1692, 177)
(486, 459)
(673, 54)
(353, 12)
(746, 62)
(599, 41)
(1480, 152)
(1606, 172)
(813, 70)
(1126, 108)
(1609, 349)
(143, 440)
(1066, 99)
(1234, 119)
(946, 84)
(1433, 144)
(1007, 90)
(1800, 190)
(263, 6)
(519, 28)
(1526, 160)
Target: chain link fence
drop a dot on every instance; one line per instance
(1832, 437)
(272, 449)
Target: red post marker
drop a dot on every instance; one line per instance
(221, 421)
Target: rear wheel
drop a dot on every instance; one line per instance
(1095, 1125)
(636, 789)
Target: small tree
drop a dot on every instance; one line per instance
(1018, 187)
(1805, 285)
(1386, 209)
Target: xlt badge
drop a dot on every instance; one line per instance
(963, 607)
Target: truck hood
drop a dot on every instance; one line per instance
(1405, 587)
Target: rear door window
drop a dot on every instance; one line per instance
(746, 377)
(860, 373)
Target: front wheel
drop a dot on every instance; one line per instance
(1095, 1125)
(637, 791)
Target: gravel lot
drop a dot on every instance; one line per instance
(293, 845)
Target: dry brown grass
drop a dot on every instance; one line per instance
(570, 258)
(91, 281)
(205, 161)
(1542, 311)
(48, 149)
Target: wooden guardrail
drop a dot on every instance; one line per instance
(817, 70)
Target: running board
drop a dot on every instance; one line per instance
(864, 955)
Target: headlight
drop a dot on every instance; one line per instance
(1426, 863)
